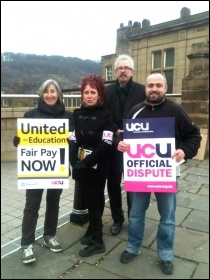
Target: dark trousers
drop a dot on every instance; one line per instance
(115, 196)
(30, 214)
(93, 184)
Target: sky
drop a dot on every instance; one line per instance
(83, 29)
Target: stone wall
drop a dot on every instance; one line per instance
(8, 131)
(195, 89)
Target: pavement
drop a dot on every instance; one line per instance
(191, 248)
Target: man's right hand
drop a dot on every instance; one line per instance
(123, 147)
(16, 141)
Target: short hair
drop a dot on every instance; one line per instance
(123, 57)
(155, 73)
(95, 82)
(46, 84)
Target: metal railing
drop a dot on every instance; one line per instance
(70, 100)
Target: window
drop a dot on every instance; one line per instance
(163, 62)
(157, 60)
(108, 73)
(169, 58)
(169, 79)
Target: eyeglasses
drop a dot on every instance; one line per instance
(126, 68)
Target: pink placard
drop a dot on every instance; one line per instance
(148, 163)
(150, 187)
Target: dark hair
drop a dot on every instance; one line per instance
(94, 82)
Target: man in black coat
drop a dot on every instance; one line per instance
(120, 97)
(187, 143)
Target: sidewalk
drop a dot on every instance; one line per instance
(191, 256)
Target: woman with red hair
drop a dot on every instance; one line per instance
(89, 149)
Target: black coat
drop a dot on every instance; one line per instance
(44, 111)
(187, 134)
(90, 125)
(136, 94)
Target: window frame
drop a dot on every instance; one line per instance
(108, 71)
(165, 69)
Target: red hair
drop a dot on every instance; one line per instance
(95, 82)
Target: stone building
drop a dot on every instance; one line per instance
(161, 48)
(179, 49)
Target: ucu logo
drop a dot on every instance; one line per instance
(149, 151)
(107, 135)
(57, 182)
(137, 126)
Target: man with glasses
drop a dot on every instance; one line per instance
(120, 97)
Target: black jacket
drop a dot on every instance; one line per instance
(91, 126)
(187, 134)
(44, 111)
(136, 94)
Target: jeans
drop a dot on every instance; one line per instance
(31, 210)
(166, 203)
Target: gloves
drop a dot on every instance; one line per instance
(16, 141)
(80, 165)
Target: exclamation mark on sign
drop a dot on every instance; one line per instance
(62, 159)
(62, 155)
